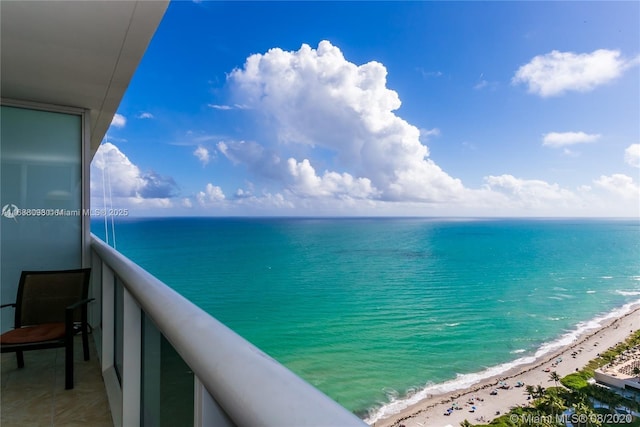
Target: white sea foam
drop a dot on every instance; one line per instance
(452, 324)
(464, 381)
(518, 351)
(591, 292)
(628, 293)
(606, 277)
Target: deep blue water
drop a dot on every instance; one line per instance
(369, 310)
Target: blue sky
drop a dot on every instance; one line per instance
(381, 108)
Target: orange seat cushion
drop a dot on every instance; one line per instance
(32, 334)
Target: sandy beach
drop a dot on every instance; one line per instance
(431, 411)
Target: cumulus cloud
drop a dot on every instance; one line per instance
(619, 184)
(125, 183)
(561, 139)
(211, 195)
(632, 155)
(145, 115)
(202, 154)
(307, 183)
(118, 121)
(318, 99)
(261, 161)
(531, 193)
(557, 72)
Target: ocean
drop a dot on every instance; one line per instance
(377, 312)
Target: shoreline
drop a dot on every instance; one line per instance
(430, 410)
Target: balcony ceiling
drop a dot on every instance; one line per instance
(75, 53)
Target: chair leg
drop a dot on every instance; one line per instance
(68, 366)
(84, 327)
(68, 360)
(20, 357)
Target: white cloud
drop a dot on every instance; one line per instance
(220, 107)
(115, 177)
(557, 72)
(307, 183)
(118, 121)
(317, 99)
(261, 161)
(619, 184)
(531, 193)
(202, 154)
(145, 115)
(211, 195)
(561, 139)
(266, 203)
(632, 155)
(332, 143)
(426, 133)
(228, 107)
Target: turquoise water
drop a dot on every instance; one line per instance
(372, 310)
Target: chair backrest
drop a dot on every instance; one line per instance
(43, 295)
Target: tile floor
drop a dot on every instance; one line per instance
(35, 396)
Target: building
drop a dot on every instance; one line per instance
(622, 373)
(65, 67)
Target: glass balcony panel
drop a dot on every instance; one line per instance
(167, 382)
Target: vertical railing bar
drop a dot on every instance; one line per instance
(108, 318)
(207, 412)
(131, 360)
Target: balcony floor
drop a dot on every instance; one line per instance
(35, 395)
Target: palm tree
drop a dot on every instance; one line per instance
(531, 391)
(539, 391)
(466, 423)
(584, 409)
(580, 397)
(554, 377)
(551, 403)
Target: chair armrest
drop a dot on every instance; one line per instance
(68, 315)
(13, 304)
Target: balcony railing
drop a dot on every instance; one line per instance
(164, 357)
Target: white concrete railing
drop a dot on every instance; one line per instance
(235, 382)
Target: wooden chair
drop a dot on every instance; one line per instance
(49, 308)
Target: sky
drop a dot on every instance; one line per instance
(464, 109)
